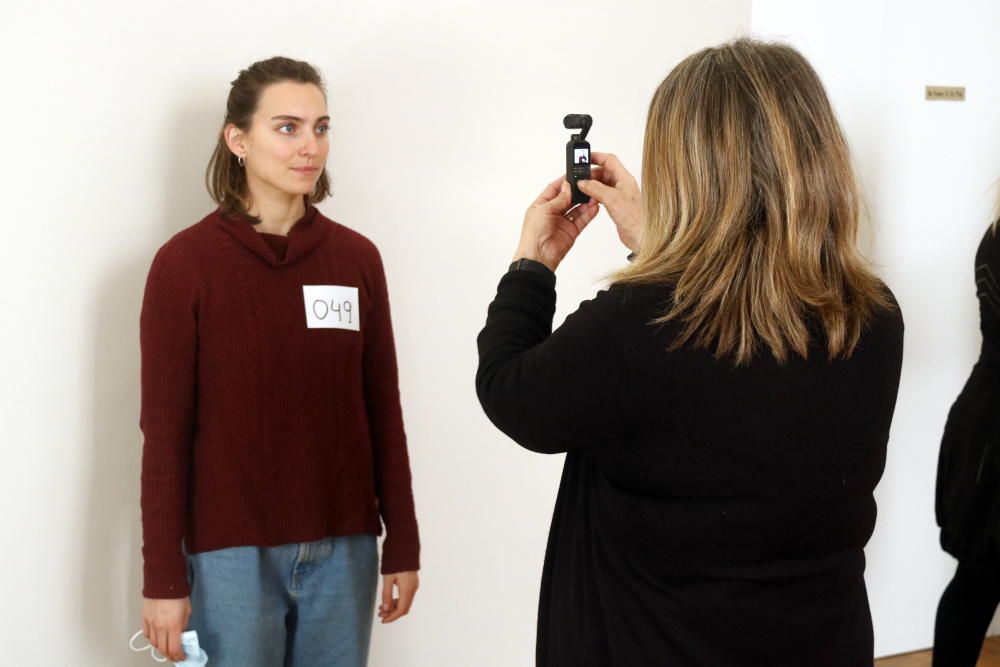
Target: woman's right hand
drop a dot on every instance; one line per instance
(615, 188)
(163, 621)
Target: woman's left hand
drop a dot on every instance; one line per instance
(394, 608)
(551, 226)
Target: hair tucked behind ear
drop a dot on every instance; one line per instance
(750, 207)
(225, 179)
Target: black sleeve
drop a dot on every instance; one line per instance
(551, 391)
(988, 291)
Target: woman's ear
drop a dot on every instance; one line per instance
(235, 139)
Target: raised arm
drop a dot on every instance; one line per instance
(552, 391)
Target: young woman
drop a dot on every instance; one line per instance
(968, 484)
(725, 404)
(270, 408)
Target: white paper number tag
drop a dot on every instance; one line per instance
(332, 307)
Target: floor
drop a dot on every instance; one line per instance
(990, 657)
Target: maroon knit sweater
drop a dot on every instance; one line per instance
(259, 428)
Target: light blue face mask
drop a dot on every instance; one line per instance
(195, 656)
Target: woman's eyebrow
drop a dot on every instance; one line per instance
(297, 119)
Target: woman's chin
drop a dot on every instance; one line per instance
(300, 188)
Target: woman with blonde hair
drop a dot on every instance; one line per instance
(725, 404)
(274, 443)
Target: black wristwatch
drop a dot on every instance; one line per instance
(532, 266)
(525, 264)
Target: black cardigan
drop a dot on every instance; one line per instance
(968, 482)
(707, 515)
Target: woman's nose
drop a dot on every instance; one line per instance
(310, 146)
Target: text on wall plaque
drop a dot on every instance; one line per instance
(946, 93)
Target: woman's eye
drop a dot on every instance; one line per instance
(284, 126)
(323, 129)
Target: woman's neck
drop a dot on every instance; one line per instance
(277, 214)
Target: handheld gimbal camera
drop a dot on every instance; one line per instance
(578, 153)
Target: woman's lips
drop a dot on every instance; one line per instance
(305, 170)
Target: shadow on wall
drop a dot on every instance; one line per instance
(111, 578)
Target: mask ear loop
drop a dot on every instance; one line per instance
(152, 651)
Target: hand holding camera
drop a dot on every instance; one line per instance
(551, 226)
(616, 189)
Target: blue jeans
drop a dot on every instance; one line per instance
(295, 605)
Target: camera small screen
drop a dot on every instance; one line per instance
(581, 156)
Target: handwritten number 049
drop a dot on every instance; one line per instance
(342, 308)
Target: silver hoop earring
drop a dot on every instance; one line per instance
(241, 161)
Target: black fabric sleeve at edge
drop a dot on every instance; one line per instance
(551, 391)
(988, 291)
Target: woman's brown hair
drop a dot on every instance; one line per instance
(225, 178)
(751, 208)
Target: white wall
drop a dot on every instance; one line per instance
(930, 170)
(110, 111)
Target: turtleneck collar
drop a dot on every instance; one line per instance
(304, 236)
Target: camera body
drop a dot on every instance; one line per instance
(578, 154)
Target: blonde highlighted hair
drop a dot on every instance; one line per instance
(751, 208)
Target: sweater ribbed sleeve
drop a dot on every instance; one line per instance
(168, 339)
(401, 548)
